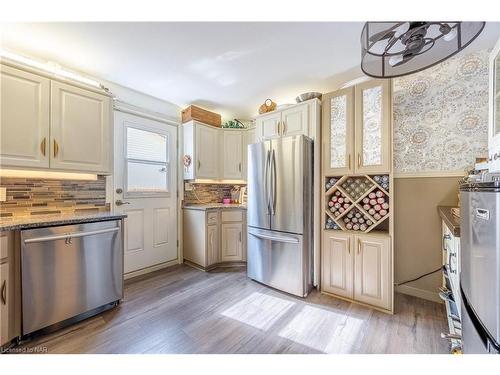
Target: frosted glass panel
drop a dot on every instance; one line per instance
(496, 100)
(145, 145)
(146, 177)
(338, 132)
(372, 126)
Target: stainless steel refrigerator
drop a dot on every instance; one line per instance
(480, 266)
(280, 209)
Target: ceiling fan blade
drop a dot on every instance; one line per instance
(406, 58)
(386, 34)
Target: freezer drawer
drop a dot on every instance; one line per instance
(279, 260)
(69, 270)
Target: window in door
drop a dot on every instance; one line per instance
(147, 164)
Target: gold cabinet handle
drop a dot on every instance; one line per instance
(199, 164)
(239, 166)
(43, 146)
(359, 160)
(284, 128)
(359, 246)
(349, 245)
(56, 149)
(279, 127)
(349, 161)
(240, 237)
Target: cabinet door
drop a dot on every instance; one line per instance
(337, 264)
(24, 133)
(373, 271)
(338, 132)
(80, 129)
(373, 118)
(212, 244)
(268, 126)
(233, 154)
(232, 240)
(207, 152)
(4, 303)
(295, 121)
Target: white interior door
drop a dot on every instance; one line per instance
(145, 188)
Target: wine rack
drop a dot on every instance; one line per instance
(360, 203)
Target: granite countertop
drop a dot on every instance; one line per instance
(40, 221)
(208, 206)
(451, 221)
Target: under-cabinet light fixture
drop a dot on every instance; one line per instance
(23, 173)
(49, 67)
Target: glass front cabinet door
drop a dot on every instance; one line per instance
(494, 128)
(372, 135)
(338, 132)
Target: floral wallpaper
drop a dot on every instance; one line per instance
(441, 116)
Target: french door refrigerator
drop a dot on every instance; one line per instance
(480, 266)
(279, 217)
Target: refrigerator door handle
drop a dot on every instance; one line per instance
(266, 181)
(273, 183)
(275, 238)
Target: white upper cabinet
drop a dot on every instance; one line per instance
(298, 119)
(24, 137)
(268, 126)
(207, 152)
(357, 129)
(232, 150)
(294, 121)
(48, 124)
(494, 108)
(372, 139)
(338, 132)
(80, 131)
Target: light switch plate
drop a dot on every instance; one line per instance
(3, 194)
(188, 186)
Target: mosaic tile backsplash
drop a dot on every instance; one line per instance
(208, 193)
(33, 196)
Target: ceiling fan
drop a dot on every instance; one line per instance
(389, 47)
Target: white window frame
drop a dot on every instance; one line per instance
(166, 164)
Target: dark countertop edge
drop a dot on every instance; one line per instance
(451, 221)
(202, 207)
(60, 221)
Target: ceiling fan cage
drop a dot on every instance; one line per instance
(394, 49)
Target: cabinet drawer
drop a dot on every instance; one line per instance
(232, 215)
(211, 217)
(4, 242)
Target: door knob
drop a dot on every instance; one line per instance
(120, 202)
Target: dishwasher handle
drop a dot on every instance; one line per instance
(70, 235)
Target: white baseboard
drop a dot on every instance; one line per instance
(146, 270)
(420, 293)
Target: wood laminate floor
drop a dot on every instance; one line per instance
(184, 310)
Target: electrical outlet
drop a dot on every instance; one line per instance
(3, 194)
(188, 186)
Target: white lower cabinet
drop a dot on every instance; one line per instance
(214, 236)
(337, 264)
(213, 244)
(232, 242)
(358, 267)
(4, 303)
(373, 271)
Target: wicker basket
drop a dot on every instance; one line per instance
(202, 115)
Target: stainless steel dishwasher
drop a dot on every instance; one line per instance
(70, 272)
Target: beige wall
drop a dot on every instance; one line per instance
(417, 231)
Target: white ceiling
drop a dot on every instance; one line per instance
(228, 67)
